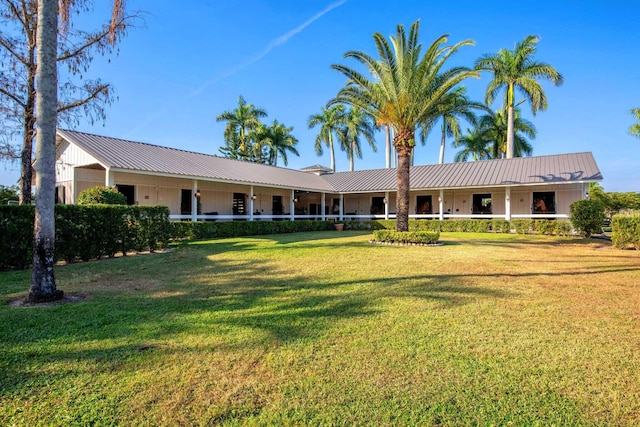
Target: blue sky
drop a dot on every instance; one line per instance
(190, 63)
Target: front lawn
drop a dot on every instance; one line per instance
(324, 328)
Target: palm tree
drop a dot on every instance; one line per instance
(242, 120)
(473, 144)
(357, 123)
(517, 69)
(493, 127)
(406, 90)
(330, 120)
(634, 130)
(43, 284)
(459, 106)
(279, 141)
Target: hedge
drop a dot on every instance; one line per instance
(521, 226)
(420, 237)
(206, 230)
(84, 232)
(626, 230)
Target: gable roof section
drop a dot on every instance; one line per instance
(553, 169)
(147, 158)
(141, 157)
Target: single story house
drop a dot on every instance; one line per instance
(196, 186)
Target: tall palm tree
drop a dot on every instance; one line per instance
(459, 106)
(43, 284)
(406, 90)
(473, 144)
(242, 120)
(279, 142)
(330, 119)
(634, 130)
(517, 69)
(357, 123)
(493, 127)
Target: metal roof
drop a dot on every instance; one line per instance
(555, 169)
(142, 157)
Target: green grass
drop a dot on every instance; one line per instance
(326, 329)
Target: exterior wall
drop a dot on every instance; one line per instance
(69, 158)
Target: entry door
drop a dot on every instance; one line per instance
(185, 202)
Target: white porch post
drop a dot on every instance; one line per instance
(323, 203)
(441, 204)
(292, 206)
(386, 204)
(194, 204)
(341, 207)
(251, 203)
(109, 180)
(507, 204)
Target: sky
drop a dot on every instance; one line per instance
(186, 65)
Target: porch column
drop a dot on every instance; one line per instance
(194, 204)
(323, 203)
(341, 217)
(109, 180)
(441, 204)
(507, 204)
(251, 203)
(386, 204)
(292, 206)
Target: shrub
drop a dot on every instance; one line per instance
(101, 196)
(16, 236)
(625, 230)
(587, 216)
(206, 230)
(391, 236)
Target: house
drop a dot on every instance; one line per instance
(197, 186)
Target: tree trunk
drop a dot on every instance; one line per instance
(26, 157)
(510, 146)
(333, 155)
(43, 285)
(404, 143)
(388, 147)
(402, 199)
(442, 143)
(351, 161)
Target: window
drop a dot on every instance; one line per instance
(60, 190)
(239, 204)
(424, 205)
(544, 202)
(482, 204)
(377, 205)
(185, 202)
(335, 206)
(276, 205)
(129, 192)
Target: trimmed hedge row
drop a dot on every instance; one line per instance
(84, 232)
(391, 236)
(206, 230)
(521, 226)
(626, 230)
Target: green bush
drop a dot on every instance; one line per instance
(391, 236)
(16, 236)
(625, 230)
(206, 230)
(587, 216)
(100, 195)
(84, 232)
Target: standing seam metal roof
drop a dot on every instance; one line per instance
(142, 157)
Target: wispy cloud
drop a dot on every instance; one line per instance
(272, 45)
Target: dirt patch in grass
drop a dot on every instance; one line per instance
(22, 302)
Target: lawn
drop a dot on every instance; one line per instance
(325, 329)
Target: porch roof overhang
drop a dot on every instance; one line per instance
(119, 155)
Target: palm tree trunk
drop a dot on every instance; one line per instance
(43, 285)
(351, 162)
(402, 200)
(388, 147)
(442, 142)
(333, 155)
(510, 132)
